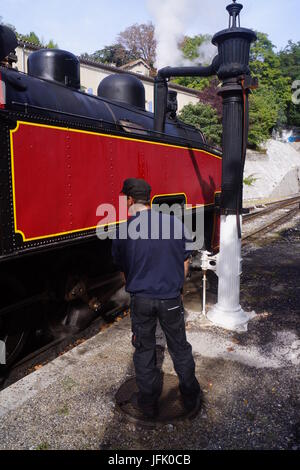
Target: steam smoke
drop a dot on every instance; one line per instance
(172, 20)
(206, 52)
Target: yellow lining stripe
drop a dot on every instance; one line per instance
(60, 234)
(169, 194)
(183, 194)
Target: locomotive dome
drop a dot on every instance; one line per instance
(55, 65)
(124, 88)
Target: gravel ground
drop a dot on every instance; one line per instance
(250, 380)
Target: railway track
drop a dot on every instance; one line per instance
(290, 206)
(271, 207)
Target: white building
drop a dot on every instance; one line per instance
(137, 66)
(92, 73)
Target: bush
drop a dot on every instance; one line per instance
(203, 117)
(263, 116)
(250, 180)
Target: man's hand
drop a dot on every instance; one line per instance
(186, 268)
(123, 278)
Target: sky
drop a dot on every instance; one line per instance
(88, 25)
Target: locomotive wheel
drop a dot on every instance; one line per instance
(14, 329)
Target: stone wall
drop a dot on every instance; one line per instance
(274, 174)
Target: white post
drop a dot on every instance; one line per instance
(2, 353)
(204, 294)
(228, 313)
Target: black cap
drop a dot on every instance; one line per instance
(137, 188)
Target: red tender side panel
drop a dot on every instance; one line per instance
(61, 176)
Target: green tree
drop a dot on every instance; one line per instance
(290, 68)
(195, 83)
(290, 60)
(203, 117)
(31, 37)
(190, 47)
(34, 39)
(263, 116)
(113, 54)
(51, 45)
(293, 114)
(265, 65)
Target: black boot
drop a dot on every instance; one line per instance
(149, 410)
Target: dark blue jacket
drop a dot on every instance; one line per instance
(153, 266)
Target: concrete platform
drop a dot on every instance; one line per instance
(250, 380)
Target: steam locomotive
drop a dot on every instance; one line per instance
(62, 154)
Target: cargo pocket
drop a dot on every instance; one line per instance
(142, 338)
(173, 319)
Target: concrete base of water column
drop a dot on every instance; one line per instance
(228, 313)
(236, 320)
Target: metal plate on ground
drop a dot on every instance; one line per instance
(170, 406)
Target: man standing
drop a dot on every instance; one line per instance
(155, 267)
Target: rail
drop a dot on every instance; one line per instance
(270, 225)
(271, 207)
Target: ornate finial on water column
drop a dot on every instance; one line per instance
(234, 11)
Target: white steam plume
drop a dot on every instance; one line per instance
(172, 19)
(206, 52)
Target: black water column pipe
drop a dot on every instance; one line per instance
(195, 71)
(234, 51)
(232, 144)
(160, 103)
(161, 87)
